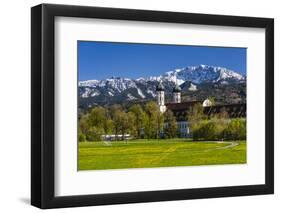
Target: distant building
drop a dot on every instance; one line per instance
(180, 109)
(116, 137)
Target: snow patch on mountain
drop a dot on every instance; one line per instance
(86, 93)
(152, 93)
(131, 97)
(140, 93)
(192, 87)
(120, 84)
(110, 93)
(95, 93)
(88, 83)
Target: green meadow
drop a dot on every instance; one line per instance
(158, 153)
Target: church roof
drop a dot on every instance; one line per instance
(183, 106)
(233, 110)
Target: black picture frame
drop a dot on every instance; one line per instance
(43, 102)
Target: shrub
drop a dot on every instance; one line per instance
(197, 130)
(94, 134)
(81, 137)
(171, 127)
(209, 130)
(236, 130)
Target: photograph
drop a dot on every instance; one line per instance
(160, 105)
(139, 105)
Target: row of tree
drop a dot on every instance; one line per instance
(148, 122)
(138, 121)
(215, 127)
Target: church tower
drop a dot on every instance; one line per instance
(177, 94)
(161, 97)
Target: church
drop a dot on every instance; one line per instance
(180, 108)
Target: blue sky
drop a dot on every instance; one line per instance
(100, 60)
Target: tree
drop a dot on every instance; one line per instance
(113, 109)
(201, 130)
(221, 120)
(159, 123)
(97, 117)
(212, 99)
(108, 126)
(151, 109)
(84, 124)
(209, 130)
(171, 128)
(236, 129)
(81, 136)
(139, 114)
(132, 129)
(216, 129)
(124, 123)
(94, 134)
(195, 115)
(117, 119)
(223, 114)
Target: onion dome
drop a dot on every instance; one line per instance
(176, 88)
(160, 87)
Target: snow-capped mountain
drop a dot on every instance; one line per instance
(116, 88)
(202, 74)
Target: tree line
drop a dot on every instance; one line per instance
(148, 122)
(215, 127)
(138, 121)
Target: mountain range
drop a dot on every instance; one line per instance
(190, 79)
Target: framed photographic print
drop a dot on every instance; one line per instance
(139, 106)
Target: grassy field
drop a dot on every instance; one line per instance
(158, 153)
